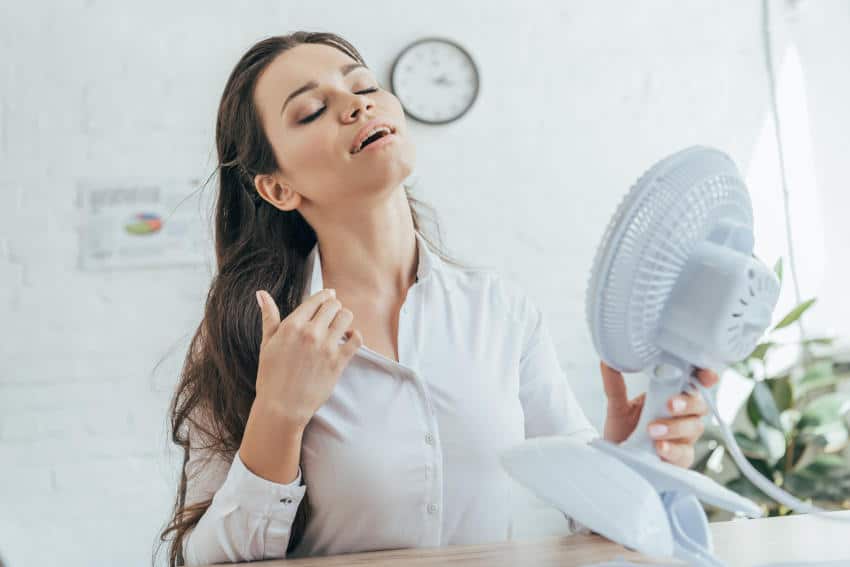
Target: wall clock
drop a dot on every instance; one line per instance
(435, 79)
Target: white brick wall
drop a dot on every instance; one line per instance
(577, 99)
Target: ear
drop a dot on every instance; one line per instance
(281, 196)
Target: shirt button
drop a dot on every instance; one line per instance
(432, 508)
(429, 438)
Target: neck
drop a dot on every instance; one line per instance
(370, 251)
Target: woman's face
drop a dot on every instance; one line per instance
(314, 101)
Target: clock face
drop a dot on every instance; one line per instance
(436, 80)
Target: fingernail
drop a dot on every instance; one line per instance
(657, 430)
(259, 299)
(333, 292)
(679, 405)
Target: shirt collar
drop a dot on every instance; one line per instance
(428, 260)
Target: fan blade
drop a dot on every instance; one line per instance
(594, 489)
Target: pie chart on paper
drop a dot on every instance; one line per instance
(143, 223)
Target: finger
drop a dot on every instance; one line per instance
(680, 454)
(687, 404)
(341, 324)
(707, 378)
(326, 313)
(615, 387)
(308, 308)
(355, 341)
(269, 312)
(677, 428)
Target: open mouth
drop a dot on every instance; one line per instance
(376, 135)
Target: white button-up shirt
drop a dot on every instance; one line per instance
(405, 454)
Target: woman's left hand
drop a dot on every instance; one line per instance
(674, 436)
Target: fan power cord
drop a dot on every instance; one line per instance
(756, 477)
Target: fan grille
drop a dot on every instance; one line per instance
(666, 213)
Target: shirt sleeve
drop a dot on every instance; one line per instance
(249, 518)
(548, 401)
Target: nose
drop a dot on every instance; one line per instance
(354, 108)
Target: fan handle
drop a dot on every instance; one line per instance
(668, 378)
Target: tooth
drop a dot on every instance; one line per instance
(372, 133)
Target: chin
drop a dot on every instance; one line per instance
(379, 185)
(389, 169)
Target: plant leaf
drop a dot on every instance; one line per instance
(832, 436)
(809, 453)
(790, 418)
(773, 440)
(819, 341)
(750, 447)
(827, 465)
(818, 375)
(747, 489)
(795, 313)
(762, 399)
(782, 391)
(712, 433)
(777, 269)
(761, 350)
(826, 409)
(702, 455)
(817, 370)
(800, 486)
(833, 492)
(753, 412)
(742, 368)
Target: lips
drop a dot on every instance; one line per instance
(363, 133)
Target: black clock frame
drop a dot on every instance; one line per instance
(457, 46)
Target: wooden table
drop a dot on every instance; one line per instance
(741, 543)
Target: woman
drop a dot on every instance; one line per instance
(372, 370)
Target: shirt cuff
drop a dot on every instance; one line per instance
(585, 435)
(259, 495)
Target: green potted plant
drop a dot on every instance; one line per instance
(793, 426)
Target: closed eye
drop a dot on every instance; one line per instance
(318, 112)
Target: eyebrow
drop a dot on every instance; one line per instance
(345, 70)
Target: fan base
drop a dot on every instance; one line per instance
(665, 477)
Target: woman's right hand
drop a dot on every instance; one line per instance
(300, 357)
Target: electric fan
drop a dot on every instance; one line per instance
(674, 286)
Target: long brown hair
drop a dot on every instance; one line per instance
(257, 247)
